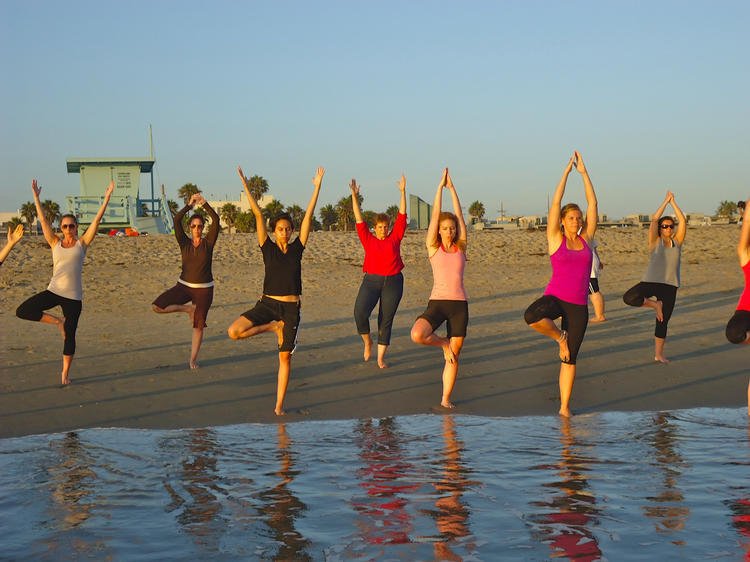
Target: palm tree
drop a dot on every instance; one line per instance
(187, 191)
(51, 211)
(245, 222)
(328, 216)
(369, 217)
(345, 212)
(28, 212)
(228, 214)
(392, 212)
(173, 207)
(273, 209)
(258, 186)
(476, 210)
(297, 213)
(13, 223)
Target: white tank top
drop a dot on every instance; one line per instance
(67, 266)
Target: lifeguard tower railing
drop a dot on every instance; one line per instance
(126, 207)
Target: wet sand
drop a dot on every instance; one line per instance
(131, 365)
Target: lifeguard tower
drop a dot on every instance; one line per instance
(126, 207)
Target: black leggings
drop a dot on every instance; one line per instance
(388, 289)
(667, 294)
(738, 326)
(575, 318)
(33, 308)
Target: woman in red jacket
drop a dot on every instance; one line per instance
(383, 280)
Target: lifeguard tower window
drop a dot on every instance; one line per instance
(126, 207)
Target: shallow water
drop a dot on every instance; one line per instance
(614, 486)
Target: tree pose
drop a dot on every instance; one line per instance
(278, 310)
(383, 280)
(566, 295)
(14, 236)
(658, 288)
(446, 248)
(65, 289)
(738, 327)
(196, 282)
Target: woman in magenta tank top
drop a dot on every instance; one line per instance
(566, 295)
(446, 248)
(738, 327)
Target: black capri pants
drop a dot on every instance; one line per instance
(575, 318)
(388, 289)
(667, 294)
(738, 326)
(33, 308)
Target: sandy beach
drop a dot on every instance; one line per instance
(131, 365)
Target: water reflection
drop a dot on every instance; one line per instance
(200, 514)
(566, 525)
(280, 507)
(740, 511)
(668, 510)
(72, 482)
(451, 515)
(383, 516)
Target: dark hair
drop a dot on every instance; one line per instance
(68, 215)
(282, 217)
(382, 217)
(667, 218)
(197, 216)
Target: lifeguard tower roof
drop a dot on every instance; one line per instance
(74, 164)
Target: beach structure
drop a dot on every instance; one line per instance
(419, 213)
(126, 206)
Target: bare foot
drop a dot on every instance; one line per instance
(194, 365)
(661, 359)
(447, 404)
(382, 364)
(565, 412)
(64, 380)
(448, 353)
(368, 350)
(659, 313)
(564, 351)
(595, 319)
(278, 327)
(279, 412)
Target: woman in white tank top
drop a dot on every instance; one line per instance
(446, 248)
(65, 289)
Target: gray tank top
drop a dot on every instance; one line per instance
(664, 266)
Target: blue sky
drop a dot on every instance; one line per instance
(653, 94)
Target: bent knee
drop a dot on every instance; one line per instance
(233, 333)
(417, 335)
(736, 336)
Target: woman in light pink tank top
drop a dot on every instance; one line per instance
(446, 248)
(65, 289)
(567, 291)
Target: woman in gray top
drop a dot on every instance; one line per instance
(658, 288)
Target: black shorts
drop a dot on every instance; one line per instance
(738, 326)
(575, 318)
(266, 310)
(201, 297)
(593, 285)
(454, 313)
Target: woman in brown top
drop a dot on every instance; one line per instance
(196, 282)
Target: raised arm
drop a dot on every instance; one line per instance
(213, 230)
(88, 236)
(179, 231)
(457, 211)
(743, 248)
(355, 201)
(437, 206)
(679, 236)
(49, 234)
(260, 222)
(13, 237)
(304, 229)
(402, 189)
(592, 207)
(653, 228)
(554, 234)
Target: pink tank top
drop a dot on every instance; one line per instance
(570, 273)
(744, 303)
(448, 275)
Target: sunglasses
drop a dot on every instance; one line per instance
(68, 225)
(666, 226)
(196, 225)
